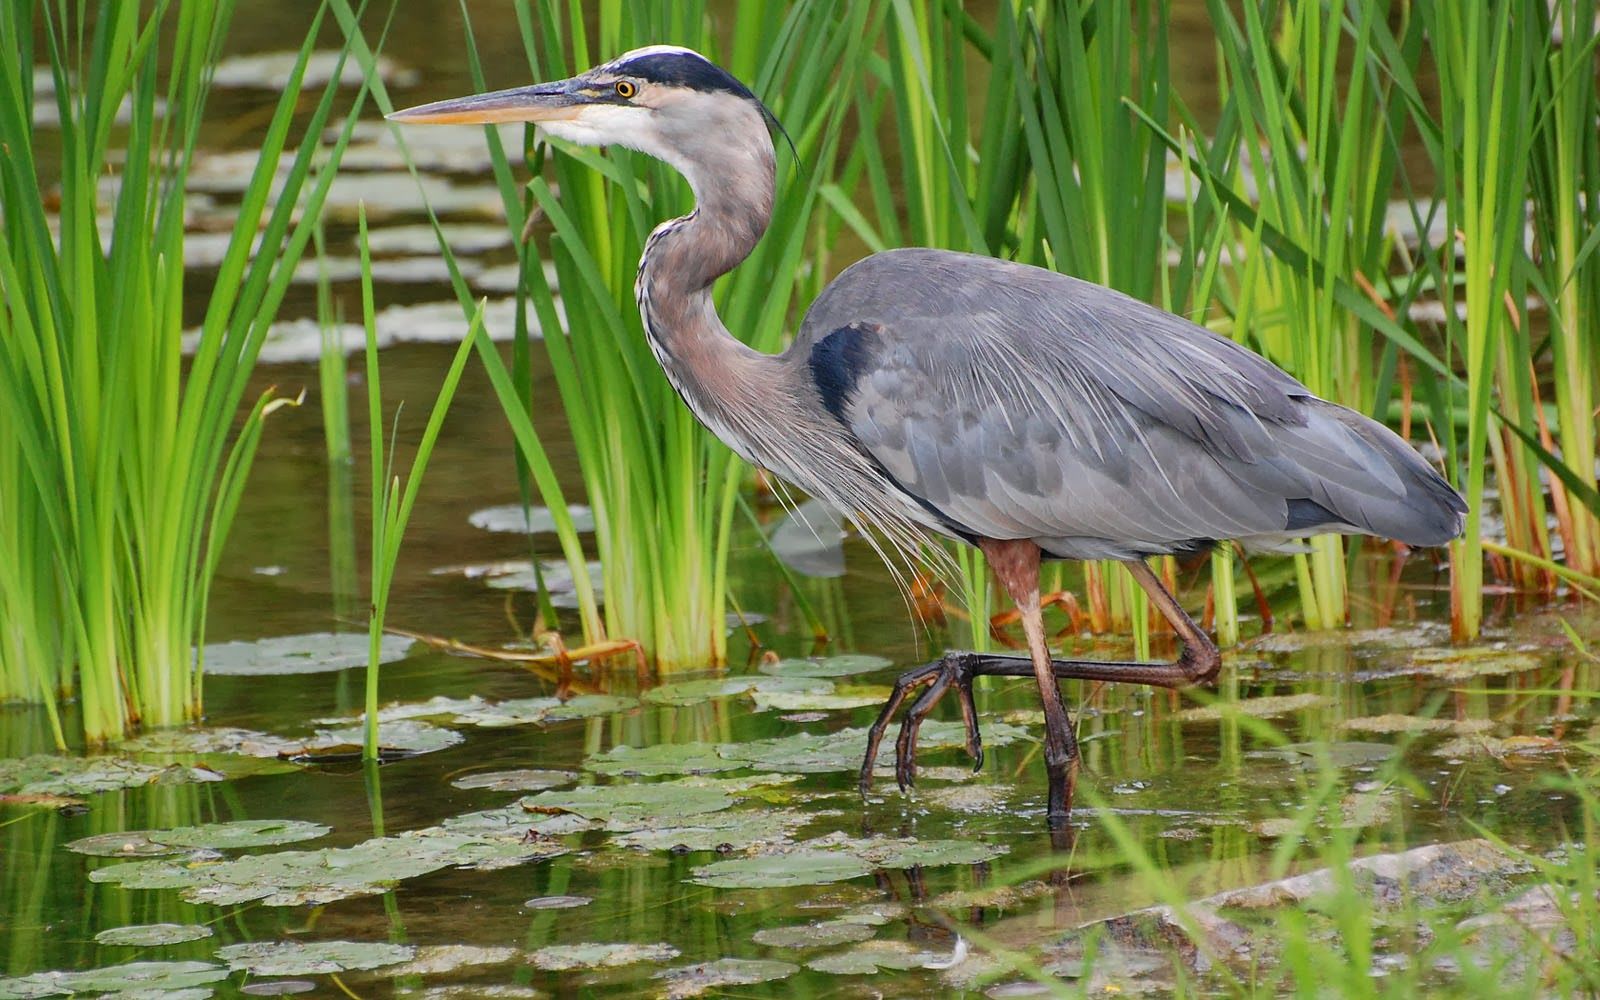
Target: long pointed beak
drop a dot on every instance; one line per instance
(542, 102)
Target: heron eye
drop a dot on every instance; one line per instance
(625, 89)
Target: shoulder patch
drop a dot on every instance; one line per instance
(838, 361)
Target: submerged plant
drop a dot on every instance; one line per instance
(118, 480)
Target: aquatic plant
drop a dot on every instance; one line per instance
(119, 468)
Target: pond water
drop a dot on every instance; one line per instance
(728, 850)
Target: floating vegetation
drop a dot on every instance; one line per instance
(556, 902)
(526, 711)
(1461, 663)
(835, 858)
(836, 699)
(1255, 708)
(404, 737)
(164, 979)
(272, 71)
(693, 980)
(869, 957)
(821, 934)
(438, 959)
(661, 758)
(565, 957)
(216, 836)
(297, 878)
(68, 776)
(1500, 748)
(843, 665)
(1416, 724)
(518, 780)
(513, 518)
(151, 935)
(312, 653)
(694, 692)
(1335, 753)
(730, 830)
(305, 958)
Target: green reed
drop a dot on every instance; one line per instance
(121, 468)
(1565, 180)
(393, 495)
(662, 488)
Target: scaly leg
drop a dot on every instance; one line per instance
(1198, 663)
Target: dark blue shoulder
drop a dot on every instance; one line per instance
(839, 360)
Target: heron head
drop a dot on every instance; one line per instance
(667, 101)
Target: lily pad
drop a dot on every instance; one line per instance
(1416, 724)
(151, 935)
(522, 780)
(304, 958)
(632, 805)
(1460, 663)
(67, 776)
(1255, 708)
(530, 711)
(296, 878)
(439, 706)
(805, 753)
(809, 540)
(312, 653)
(772, 871)
(241, 833)
(867, 958)
(815, 935)
(733, 829)
(1500, 748)
(562, 957)
(859, 696)
(693, 980)
(151, 977)
(223, 740)
(406, 737)
(662, 758)
(513, 519)
(128, 844)
(1338, 753)
(556, 902)
(843, 665)
(694, 692)
(438, 959)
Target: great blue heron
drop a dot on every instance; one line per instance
(1020, 410)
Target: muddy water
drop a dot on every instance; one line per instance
(1210, 799)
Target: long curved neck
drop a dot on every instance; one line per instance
(704, 362)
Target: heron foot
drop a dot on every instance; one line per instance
(952, 669)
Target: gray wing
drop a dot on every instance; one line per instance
(1013, 402)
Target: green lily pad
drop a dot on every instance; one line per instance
(150, 935)
(1348, 753)
(867, 958)
(312, 653)
(805, 753)
(438, 959)
(407, 737)
(438, 706)
(242, 833)
(44, 774)
(529, 711)
(861, 696)
(211, 742)
(305, 958)
(513, 519)
(683, 693)
(1255, 708)
(130, 844)
(772, 871)
(662, 758)
(632, 805)
(1462, 662)
(519, 780)
(562, 957)
(297, 878)
(843, 665)
(736, 829)
(693, 980)
(1416, 724)
(815, 935)
(118, 979)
